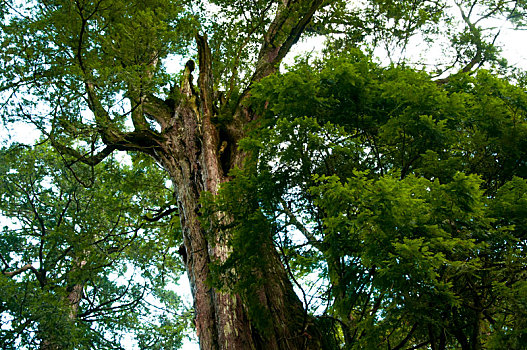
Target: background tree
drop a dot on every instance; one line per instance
(90, 76)
(81, 268)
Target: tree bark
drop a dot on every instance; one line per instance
(190, 153)
(221, 319)
(71, 301)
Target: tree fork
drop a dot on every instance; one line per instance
(190, 149)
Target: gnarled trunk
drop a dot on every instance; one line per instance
(222, 320)
(191, 154)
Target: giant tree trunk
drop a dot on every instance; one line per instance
(191, 154)
(221, 318)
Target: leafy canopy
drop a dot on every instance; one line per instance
(60, 236)
(398, 203)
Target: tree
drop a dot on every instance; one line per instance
(89, 75)
(80, 265)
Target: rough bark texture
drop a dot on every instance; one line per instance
(190, 154)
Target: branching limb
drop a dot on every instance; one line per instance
(161, 215)
(158, 109)
(292, 218)
(21, 270)
(478, 58)
(250, 33)
(146, 141)
(291, 19)
(109, 133)
(405, 340)
(91, 160)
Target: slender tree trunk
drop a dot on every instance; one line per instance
(71, 302)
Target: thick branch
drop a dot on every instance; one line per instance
(285, 30)
(187, 88)
(91, 160)
(161, 215)
(157, 109)
(478, 57)
(138, 115)
(146, 141)
(205, 75)
(21, 270)
(292, 218)
(109, 133)
(211, 138)
(138, 96)
(290, 21)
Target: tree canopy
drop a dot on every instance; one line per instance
(337, 202)
(386, 193)
(82, 267)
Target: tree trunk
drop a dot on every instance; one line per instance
(71, 301)
(222, 320)
(191, 154)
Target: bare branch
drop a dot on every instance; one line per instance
(21, 270)
(478, 58)
(161, 215)
(205, 75)
(91, 160)
(292, 218)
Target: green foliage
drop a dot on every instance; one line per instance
(245, 228)
(88, 238)
(398, 202)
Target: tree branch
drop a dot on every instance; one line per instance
(158, 109)
(288, 25)
(405, 340)
(83, 158)
(146, 141)
(161, 215)
(21, 270)
(292, 218)
(476, 33)
(205, 75)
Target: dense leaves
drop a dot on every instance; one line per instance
(81, 268)
(391, 198)
(398, 203)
